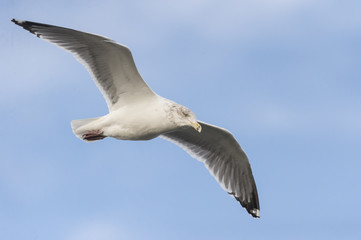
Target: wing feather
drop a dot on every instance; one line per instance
(110, 64)
(224, 158)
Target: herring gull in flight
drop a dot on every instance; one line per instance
(137, 113)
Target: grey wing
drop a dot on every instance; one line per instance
(110, 64)
(224, 158)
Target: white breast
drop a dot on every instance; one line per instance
(139, 121)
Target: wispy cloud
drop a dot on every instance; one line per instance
(98, 230)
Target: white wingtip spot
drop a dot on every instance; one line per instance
(18, 21)
(256, 212)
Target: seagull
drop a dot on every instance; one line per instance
(138, 113)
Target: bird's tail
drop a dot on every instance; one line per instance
(84, 129)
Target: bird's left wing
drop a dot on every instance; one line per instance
(110, 64)
(224, 158)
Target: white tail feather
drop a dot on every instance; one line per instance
(79, 126)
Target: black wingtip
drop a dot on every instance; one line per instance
(26, 25)
(254, 213)
(252, 207)
(21, 23)
(17, 22)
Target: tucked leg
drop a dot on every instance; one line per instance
(93, 135)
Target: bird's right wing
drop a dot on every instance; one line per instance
(224, 158)
(110, 64)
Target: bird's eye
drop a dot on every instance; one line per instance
(186, 114)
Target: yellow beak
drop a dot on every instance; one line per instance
(196, 126)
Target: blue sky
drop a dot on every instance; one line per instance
(282, 76)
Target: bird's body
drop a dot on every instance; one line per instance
(141, 120)
(137, 113)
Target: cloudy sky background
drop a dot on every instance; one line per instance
(282, 76)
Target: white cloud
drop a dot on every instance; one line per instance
(97, 231)
(280, 118)
(223, 20)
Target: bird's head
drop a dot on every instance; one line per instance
(185, 117)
